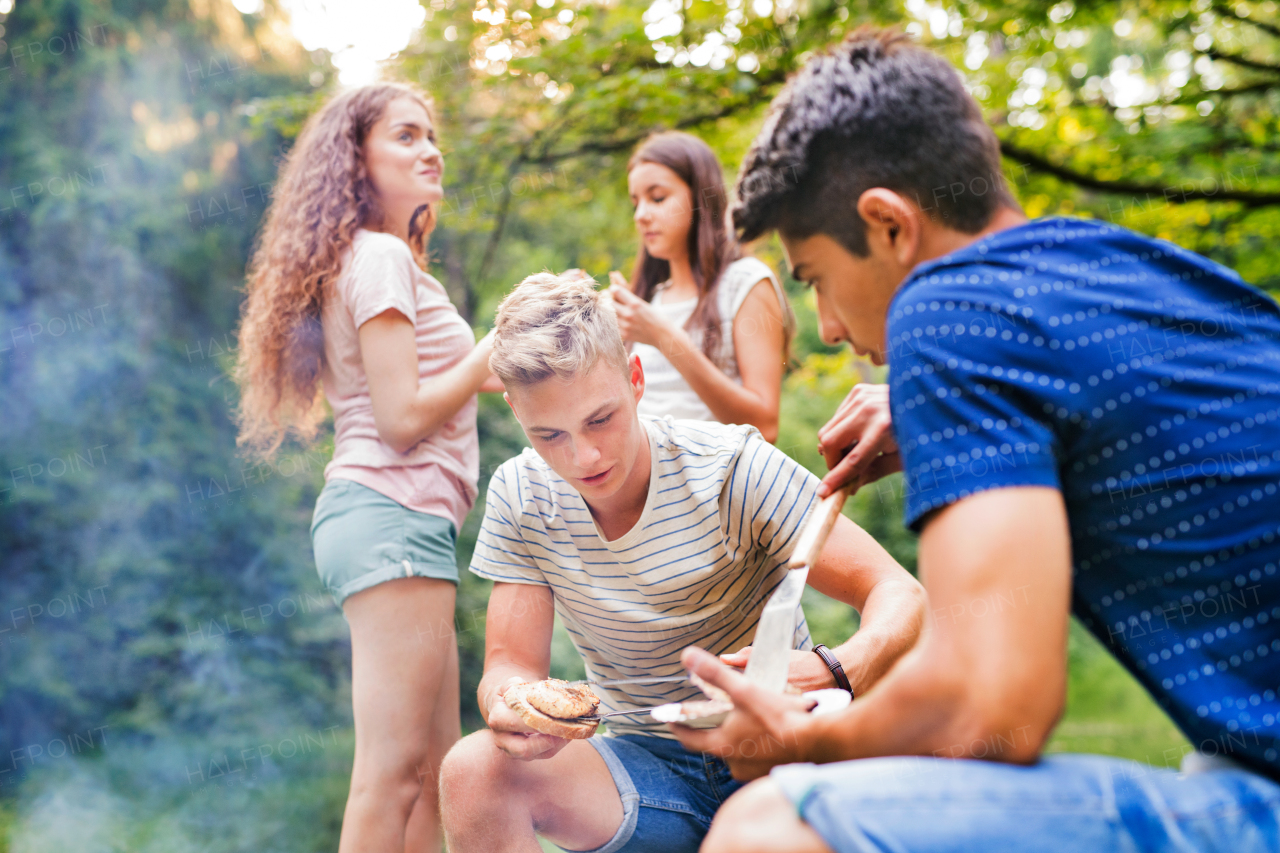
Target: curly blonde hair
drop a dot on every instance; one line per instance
(322, 196)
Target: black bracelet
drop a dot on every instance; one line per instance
(833, 664)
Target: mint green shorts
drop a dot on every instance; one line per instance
(362, 538)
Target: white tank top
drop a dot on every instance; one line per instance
(666, 391)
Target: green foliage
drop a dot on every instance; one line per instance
(156, 586)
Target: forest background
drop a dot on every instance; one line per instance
(172, 676)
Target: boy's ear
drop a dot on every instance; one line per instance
(637, 376)
(506, 395)
(893, 225)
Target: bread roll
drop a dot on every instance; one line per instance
(517, 700)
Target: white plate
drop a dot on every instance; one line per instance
(829, 700)
(672, 713)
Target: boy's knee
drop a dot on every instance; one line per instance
(734, 828)
(468, 759)
(761, 818)
(474, 766)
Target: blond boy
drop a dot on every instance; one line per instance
(644, 536)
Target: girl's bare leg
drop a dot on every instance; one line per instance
(404, 687)
(424, 833)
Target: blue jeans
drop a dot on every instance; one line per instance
(1063, 804)
(669, 794)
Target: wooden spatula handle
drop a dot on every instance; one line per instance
(816, 530)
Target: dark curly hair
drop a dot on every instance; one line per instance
(874, 111)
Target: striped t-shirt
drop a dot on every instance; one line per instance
(722, 514)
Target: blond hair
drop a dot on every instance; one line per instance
(554, 325)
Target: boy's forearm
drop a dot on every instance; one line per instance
(931, 704)
(909, 713)
(892, 618)
(495, 677)
(517, 639)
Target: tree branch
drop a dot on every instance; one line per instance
(760, 95)
(1242, 61)
(1173, 194)
(495, 236)
(1251, 89)
(1227, 12)
(610, 146)
(513, 169)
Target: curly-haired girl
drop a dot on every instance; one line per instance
(338, 297)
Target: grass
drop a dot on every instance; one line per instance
(1108, 711)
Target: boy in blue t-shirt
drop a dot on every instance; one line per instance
(1088, 421)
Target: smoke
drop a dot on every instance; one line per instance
(76, 813)
(225, 794)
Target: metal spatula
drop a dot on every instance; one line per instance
(629, 712)
(771, 648)
(619, 682)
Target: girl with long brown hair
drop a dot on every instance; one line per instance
(338, 297)
(710, 324)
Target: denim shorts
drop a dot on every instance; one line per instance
(362, 538)
(1062, 804)
(669, 794)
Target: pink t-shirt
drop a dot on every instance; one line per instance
(438, 474)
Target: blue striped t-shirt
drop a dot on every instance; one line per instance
(720, 520)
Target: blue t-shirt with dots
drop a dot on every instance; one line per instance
(1143, 382)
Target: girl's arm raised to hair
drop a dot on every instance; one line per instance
(758, 339)
(406, 409)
